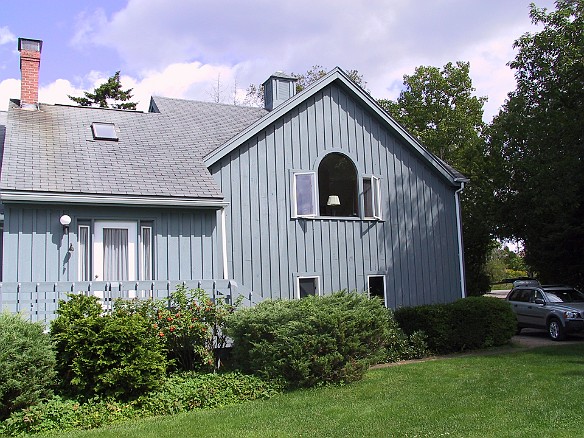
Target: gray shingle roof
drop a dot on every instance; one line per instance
(158, 154)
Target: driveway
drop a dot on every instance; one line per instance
(538, 338)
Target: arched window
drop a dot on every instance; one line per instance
(337, 186)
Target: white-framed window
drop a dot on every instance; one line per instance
(376, 287)
(146, 252)
(84, 254)
(337, 186)
(371, 197)
(307, 285)
(114, 250)
(303, 194)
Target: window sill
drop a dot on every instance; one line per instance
(338, 218)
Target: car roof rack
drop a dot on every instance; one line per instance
(526, 282)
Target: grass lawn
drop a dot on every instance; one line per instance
(535, 393)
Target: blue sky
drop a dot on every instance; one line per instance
(192, 48)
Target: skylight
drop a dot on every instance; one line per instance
(104, 131)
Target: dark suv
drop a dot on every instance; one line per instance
(555, 308)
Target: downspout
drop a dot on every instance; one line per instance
(460, 243)
(224, 244)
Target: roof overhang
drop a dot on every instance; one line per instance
(339, 76)
(95, 199)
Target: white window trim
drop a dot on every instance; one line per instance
(304, 277)
(376, 201)
(81, 268)
(384, 286)
(314, 194)
(142, 250)
(132, 228)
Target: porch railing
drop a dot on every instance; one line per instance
(38, 301)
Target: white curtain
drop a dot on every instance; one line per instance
(146, 271)
(115, 254)
(84, 253)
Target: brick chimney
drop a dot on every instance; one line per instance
(30, 60)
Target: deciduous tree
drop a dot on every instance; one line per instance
(538, 140)
(439, 108)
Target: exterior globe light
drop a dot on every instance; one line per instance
(65, 221)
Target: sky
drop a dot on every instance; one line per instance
(209, 49)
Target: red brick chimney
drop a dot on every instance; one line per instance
(30, 60)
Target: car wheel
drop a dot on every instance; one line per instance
(556, 330)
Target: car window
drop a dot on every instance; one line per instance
(521, 295)
(565, 296)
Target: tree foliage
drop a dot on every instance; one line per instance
(438, 107)
(537, 140)
(108, 95)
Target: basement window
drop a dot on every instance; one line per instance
(104, 131)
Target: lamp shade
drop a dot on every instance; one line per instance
(65, 220)
(333, 200)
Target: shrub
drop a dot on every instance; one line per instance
(189, 324)
(179, 393)
(119, 355)
(469, 323)
(27, 364)
(310, 341)
(403, 347)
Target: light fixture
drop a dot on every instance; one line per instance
(65, 221)
(333, 200)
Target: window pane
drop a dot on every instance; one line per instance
(115, 254)
(377, 287)
(146, 254)
(368, 198)
(307, 286)
(104, 131)
(84, 253)
(337, 177)
(304, 194)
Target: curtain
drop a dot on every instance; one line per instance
(146, 271)
(115, 254)
(84, 253)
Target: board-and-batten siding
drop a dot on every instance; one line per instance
(186, 242)
(415, 245)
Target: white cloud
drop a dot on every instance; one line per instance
(9, 89)
(6, 36)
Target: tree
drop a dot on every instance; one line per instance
(255, 93)
(537, 141)
(108, 95)
(439, 108)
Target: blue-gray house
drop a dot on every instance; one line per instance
(318, 191)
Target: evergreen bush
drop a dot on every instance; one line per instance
(468, 323)
(27, 364)
(117, 355)
(310, 341)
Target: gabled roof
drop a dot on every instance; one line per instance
(205, 125)
(337, 76)
(51, 154)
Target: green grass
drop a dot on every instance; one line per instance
(535, 393)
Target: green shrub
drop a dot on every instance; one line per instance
(189, 324)
(179, 393)
(469, 323)
(184, 392)
(27, 364)
(403, 347)
(117, 355)
(310, 341)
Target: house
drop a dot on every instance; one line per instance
(318, 191)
